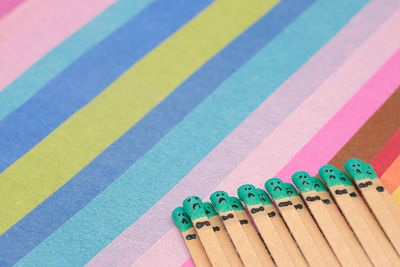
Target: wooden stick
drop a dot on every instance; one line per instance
(361, 221)
(280, 227)
(251, 233)
(194, 208)
(278, 250)
(221, 202)
(331, 223)
(377, 198)
(189, 235)
(305, 231)
(222, 235)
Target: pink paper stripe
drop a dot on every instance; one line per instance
(279, 147)
(7, 6)
(27, 13)
(36, 39)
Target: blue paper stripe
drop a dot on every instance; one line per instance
(99, 174)
(32, 80)
(125, 200)
(90, 75)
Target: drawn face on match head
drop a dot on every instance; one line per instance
(317, 184)
(247, 193)
(275, 188)
(302, 181)
(194, 207)
(263, 196)
(355, 169)
(344, 178)
(181, 219)
(236, 204)
(210, 210)
(289, 190)
(371, 174)
(329, 175)
(221, 201)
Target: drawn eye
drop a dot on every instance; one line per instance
(189, 199)
(249, 188)
(272, 183)
(179, 214)
(358, 165)
(279, 182)
(354, 165)
(196, 198)
(330, 170)
(326, 170)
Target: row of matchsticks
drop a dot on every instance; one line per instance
(315, 228)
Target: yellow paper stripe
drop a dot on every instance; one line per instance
(88, 132)
(396, 196)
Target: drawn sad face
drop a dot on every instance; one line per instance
(329, 175)
(247, 193)
(355, 169)
(181, 219)
(275, 188)
(221, 201)
(302, 181)
(194, 207)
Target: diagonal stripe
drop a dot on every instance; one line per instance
(108, 116)
(396, 196)
(82, 188)
(390, 151)
(287, 139)
(57, 60)
(373, 135)
(7, 6)
(214, 130)
(125, 47)
(391, 177)
(39, 37)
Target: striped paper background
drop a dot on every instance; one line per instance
(112, 112)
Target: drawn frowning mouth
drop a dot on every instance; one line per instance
(277, 187)
(250, 195)
(221, 199)
(196, 204)
(305, 182)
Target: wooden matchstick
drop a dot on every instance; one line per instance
(190, 237)
(305, 231)
(283, 232)
(222, 203)
(378, 199)
(364, 226)
(193, 206)
(251, 233)
(247, 193)
(335, 229)
(222, 235)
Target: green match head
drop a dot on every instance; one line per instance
(263, 196)
(194, 207)
(181, 219)
(329, 175)
(210, 210)
(317, 184)
(370, 171)
(355, 169)
(344, 178)
(302, 181)
(247, 193)
(221, 201)
(236, 203)
(275, 188)
(290, 190)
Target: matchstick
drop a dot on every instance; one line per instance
(189, 235)
(378, 199)
(335, 229)
(222, 203)
(222, 235)
(247, 193)
(283, 232)
(364, 226)
(305, 231)
(194, 208)
(251, 233)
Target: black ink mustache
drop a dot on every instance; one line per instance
(341, 192)
(380, 188)
(311, 199)
(366, 184)
(285, 203)
(216, 228)
(326, 201)
(353, 194)
(255, 210)
(200, 225)
(190, 237)
(244, 222)
(229, 216)
(271, 214)
(298, 206)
